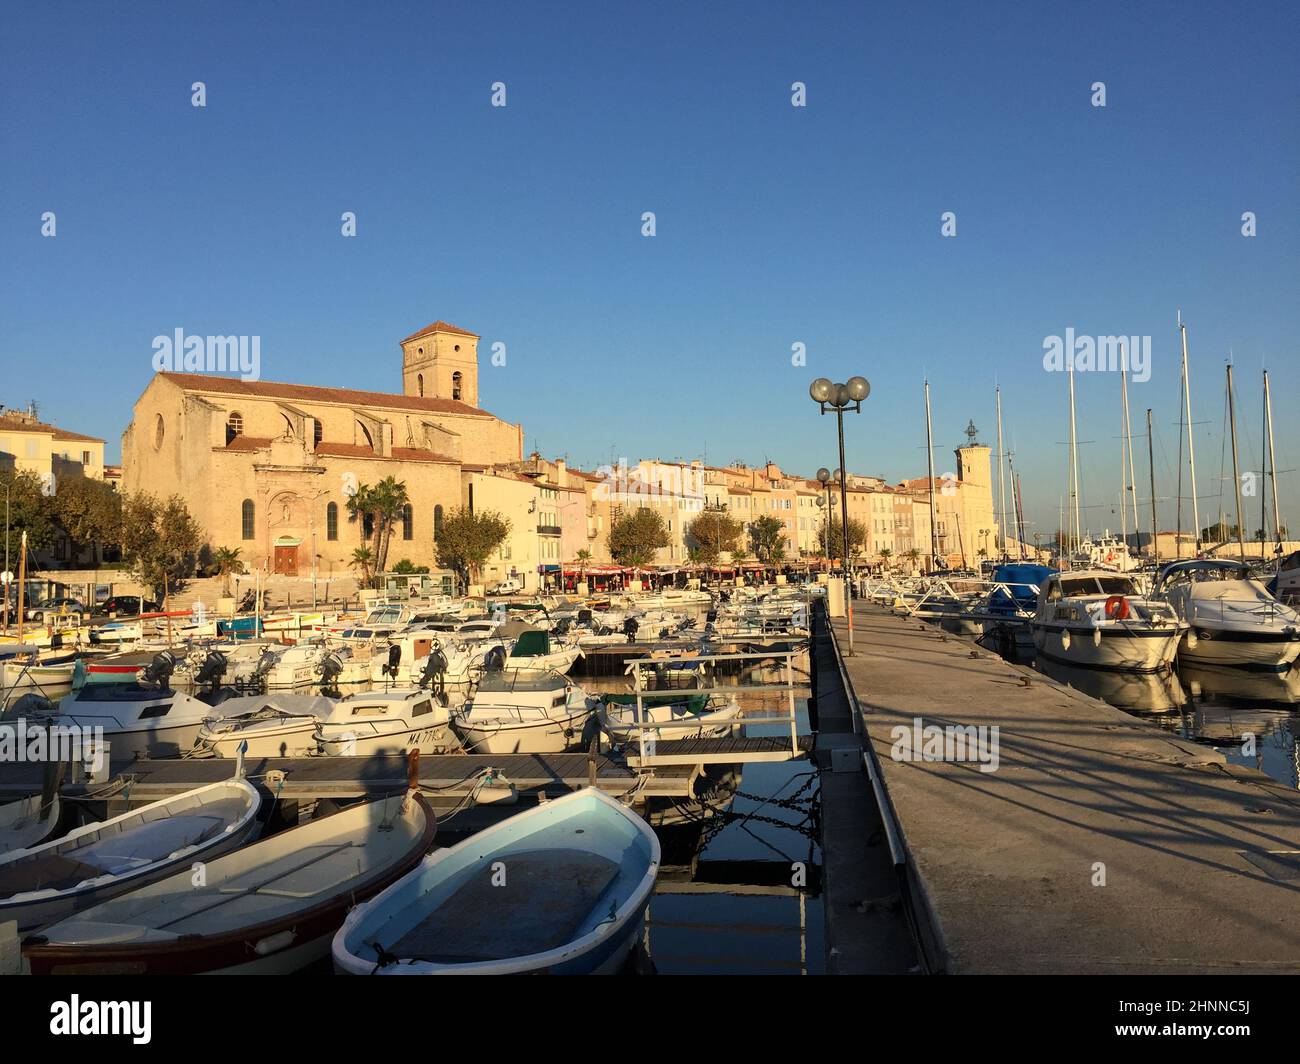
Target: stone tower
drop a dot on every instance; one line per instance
(441, 362)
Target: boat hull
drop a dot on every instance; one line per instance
(1130, 649)
(1206, 645)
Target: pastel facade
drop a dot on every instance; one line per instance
(268, 467)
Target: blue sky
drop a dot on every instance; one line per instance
(776, 225)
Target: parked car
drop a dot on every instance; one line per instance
(52, 606)
(129, 605)
(508, 586)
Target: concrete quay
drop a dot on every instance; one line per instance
(1200, 859)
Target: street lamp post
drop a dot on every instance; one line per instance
(840, 397)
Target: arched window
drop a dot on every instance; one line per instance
(419, 383)
(437, 521)
(234, 425)
(455, 385)
(408, 521)
(317, 433)
(331, 520)
(247, 518)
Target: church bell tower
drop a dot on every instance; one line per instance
(441, 362)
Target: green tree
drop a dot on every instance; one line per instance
(89, 510)
(913, 556)
(634, 536)
(363, 560)
(382, 504)
(30, 511)
(715, 533)
(767, 537)
(406, 567)
(835, 542)
(160, 540)
(226, 560)
(886, 555)
(467, 539)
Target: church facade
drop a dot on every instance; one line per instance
(268, 467)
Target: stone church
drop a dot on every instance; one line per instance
(268, 467)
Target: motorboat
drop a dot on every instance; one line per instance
(137, 719)
(1232, 618)
(534, 648)
(372, 723)
(43, 884)
(271, 908)
(1011, 605)
(524, 711)
(279, 724)
(1102, 620)
(667, 716)
(561, 888)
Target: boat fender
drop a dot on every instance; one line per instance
(1117, 608)
(1065, 639)
(1191, 639)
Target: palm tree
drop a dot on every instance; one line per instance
(226, 560)
(885, 555)
(381, 504)
(363, 558)
(584, 556)
(913, 556)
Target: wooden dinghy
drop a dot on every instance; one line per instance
(561, 888)
(270, 908)
(42, 884)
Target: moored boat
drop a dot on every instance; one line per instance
(561, 888)
(269, 908)
(49, 882)
(524, 711)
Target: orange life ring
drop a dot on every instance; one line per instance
(1117, 608)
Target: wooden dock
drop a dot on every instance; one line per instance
(447, 778)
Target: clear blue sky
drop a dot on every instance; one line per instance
(776, 225)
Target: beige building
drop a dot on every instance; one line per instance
(269, 467)
(29, 445)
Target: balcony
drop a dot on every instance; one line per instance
(549, 530)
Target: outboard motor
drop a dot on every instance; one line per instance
(159, 670)
(330, 668)
(265, 662)
(495, 660)
(435, 671)
(562, 627)
(584, 617)
(394, 661)
(212, 670)
(630, 629)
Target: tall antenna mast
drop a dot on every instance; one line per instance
(1272, 467)
(1130, 487)
(1074, 467)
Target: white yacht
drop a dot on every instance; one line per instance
(276, 725)
(524, 711)
(1102, 620)
(1233, 619)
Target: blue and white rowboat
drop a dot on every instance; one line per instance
(559, 889)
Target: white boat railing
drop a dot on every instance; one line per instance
(647, 730)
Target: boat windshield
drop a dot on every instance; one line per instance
(1097, 585)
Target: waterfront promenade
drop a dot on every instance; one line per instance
(1201, 859)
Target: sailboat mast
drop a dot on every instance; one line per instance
(1123, 480)
(1236, 472)
(1002, 486)
(929, 455)
(1130, 483)
(1191, 447)
(1074, 468)
(1272, 467)
(1151, 458)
